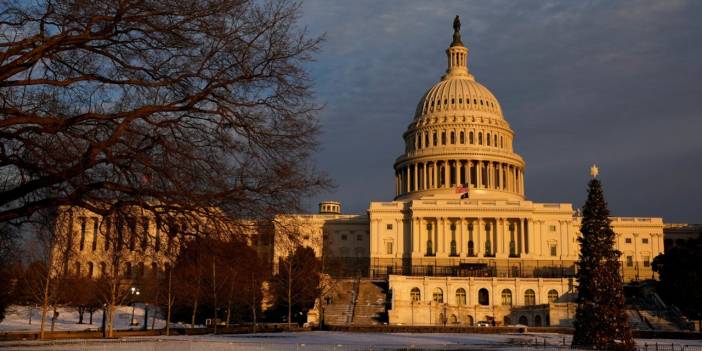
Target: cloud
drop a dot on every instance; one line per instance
(615, 83)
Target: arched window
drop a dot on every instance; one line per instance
(461, 297)
(480, 138)
(415, 295)
(426, 139)
(507, 297)
(529, 298)
(453, 319)
(483, 297)
(552, 296)
(502, 142)
(495, 143)
(470, 138)
(438, 295)
(453, 138)
(436, 138)
(90, 269)
(443, 138)
(523, 320)
(462, 137)
(469, 320)
(487, 139)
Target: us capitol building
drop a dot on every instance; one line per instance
(461, 242)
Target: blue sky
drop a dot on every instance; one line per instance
(612, 83)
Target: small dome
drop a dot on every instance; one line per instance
(458, 93)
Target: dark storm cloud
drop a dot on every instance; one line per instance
(612, 83)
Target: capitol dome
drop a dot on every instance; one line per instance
(459, 139)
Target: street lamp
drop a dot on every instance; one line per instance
(134, 292)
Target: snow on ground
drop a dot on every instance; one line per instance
(321, 341)
(17, 319)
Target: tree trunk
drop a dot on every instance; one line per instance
(192, 320)
(31, 311)
(214, 293)
(91, 311)
(53, 318)
(253, 303)
(289, 294)
(229, 302)
(81, 310)
(111, 305)
(169, 303)
(44, 306)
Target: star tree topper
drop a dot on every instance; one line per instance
(594, 171)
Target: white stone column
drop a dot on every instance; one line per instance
(521, 236)
(479, 236)
(504, 247)
(435, 181)
(447, 174)
(415, 182)
(562, 244)
(479, 174)
(462, 243)
(415, 236)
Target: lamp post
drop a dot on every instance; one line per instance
(134, 292)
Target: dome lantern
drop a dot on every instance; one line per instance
(459, 140)
(457, 54)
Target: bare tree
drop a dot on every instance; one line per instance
(48, 251)
(199, 108)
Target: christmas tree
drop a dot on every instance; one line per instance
(600, 319)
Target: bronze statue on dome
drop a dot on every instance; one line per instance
(457, 32)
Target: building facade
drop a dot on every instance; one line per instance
(460, 242)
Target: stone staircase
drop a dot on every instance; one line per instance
(370, 307)
(339, 310)
(636, 320)
(660, 320)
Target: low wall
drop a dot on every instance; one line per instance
(640, 334)
(84, 334)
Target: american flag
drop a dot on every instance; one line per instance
(461, 189)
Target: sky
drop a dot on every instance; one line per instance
(617, 84)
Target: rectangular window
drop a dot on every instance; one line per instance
(82, 233)
(343, 237)
(359, 237)
(96, 229)
(629, 261)
(644, 241)
(552, 228)
(388, 247)
(627, 240)
(389, 226)
(554, 250)
(145, 234)
(646, 261)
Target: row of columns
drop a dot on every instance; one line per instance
(439, 174)
(471, 237)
